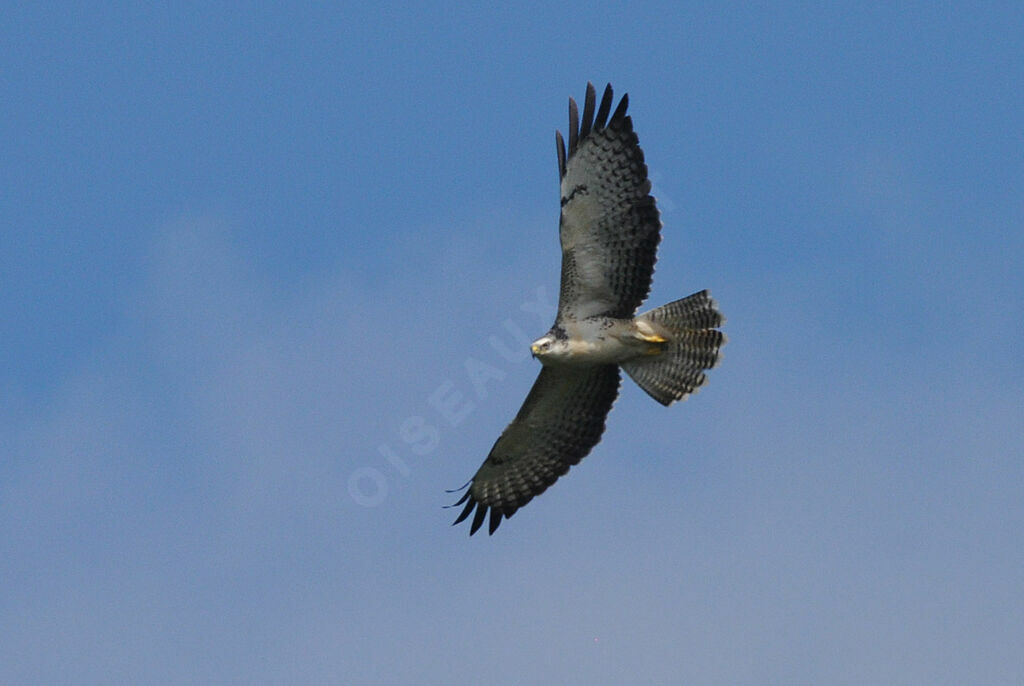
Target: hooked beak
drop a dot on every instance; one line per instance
(534, 349)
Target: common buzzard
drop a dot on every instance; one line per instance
(609, 231)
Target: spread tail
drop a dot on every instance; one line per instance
(676, 367)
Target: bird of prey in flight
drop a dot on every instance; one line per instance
(609, 230)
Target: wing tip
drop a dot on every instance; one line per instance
(460, 488)
(580, 127)
(465, 512)
(560, 143)
(497, 513)
(620, 111)
(605, 108)
(574, 126)
(588, 111)
(495, 521)
(478, 518)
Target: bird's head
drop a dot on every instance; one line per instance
(552, 345)
(542, 346)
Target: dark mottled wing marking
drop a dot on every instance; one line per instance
(560, 421)
(609, 226)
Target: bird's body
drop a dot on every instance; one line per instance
(609, 232)
(598, 340)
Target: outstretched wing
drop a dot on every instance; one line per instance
(609, 226)
(560, 421)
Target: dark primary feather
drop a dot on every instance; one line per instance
(560, 421)
(588, 111)
(574, 124)
(561, 153)
(609, 226)
(606, 105)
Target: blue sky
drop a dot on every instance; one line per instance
(246, 248)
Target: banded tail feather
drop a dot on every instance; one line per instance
(676, 369)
